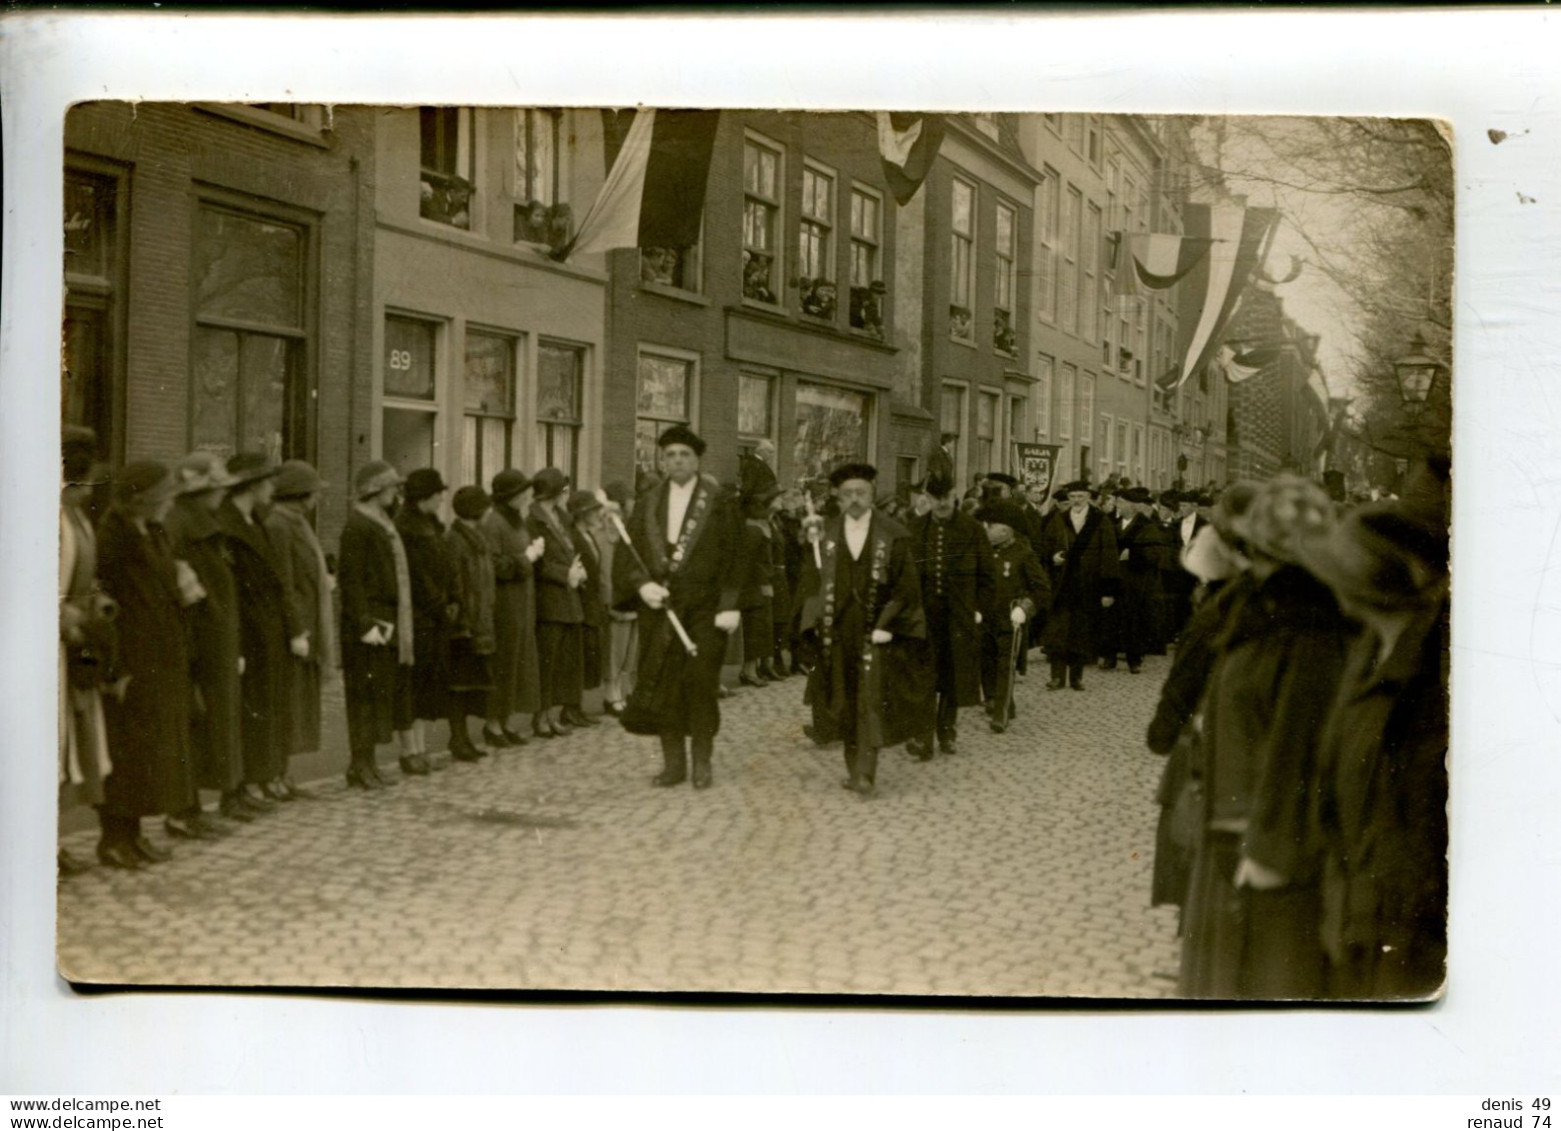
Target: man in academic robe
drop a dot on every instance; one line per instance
(953, 559)
(682, 559)
(871, 687)
(1143, 548)
(1080, 549)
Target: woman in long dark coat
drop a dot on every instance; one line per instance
(560, 573)
(1080, 549)
(433, 584)
(147, 708)
(472, 592)
(216, 646)
(516, 679)
(306, 588)
(1253, 910)
(266, 698)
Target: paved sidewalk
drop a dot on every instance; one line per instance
(1018, 867)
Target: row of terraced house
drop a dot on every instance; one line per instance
(347, 283)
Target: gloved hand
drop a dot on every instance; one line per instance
(978, 618)
(653, 594)
(373, 636)
(1259, 877)
(576, 574)
(882, 637)
(1107, 602)
(1016, 616)
(729, 621)
(537, 548)
(300, 645)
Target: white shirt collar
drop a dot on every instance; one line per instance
(678, 500)
(856, 533)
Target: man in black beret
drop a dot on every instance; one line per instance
(683, 559)
(953, 559)
(872, 685)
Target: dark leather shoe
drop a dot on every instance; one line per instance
(544, 727)
(750, 681)
(703, 779)
(275, 791)
(1108, 665)
(1055, 684)
(190, 828)
(120, 855)
(575, 717)
(466, 752)
(149, 852)
(235, 807)
(359, 778)
(668, 778)
(414, 765)
(214, 825)
(919, 750)
(513, 739)
(1134, 669)
(998, 727)
(1077, 685)
(255, 798)
(495, 739)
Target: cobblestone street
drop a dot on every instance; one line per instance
(1020, 866)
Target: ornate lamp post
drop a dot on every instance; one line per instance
(1417, 374)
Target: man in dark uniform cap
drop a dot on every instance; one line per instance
(685, 560)
(953, 559)
(1019, 589)
(872, 685)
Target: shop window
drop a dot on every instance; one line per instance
(560, 406)
(92, 288)
(755, 401)
(867, 286)
(832, 427)
(761, 222)
(962, 261)
(816, 244)
(247, 354)
(488, 389)
(665, 397)
(447, 165)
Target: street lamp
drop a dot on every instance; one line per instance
(1417, 374)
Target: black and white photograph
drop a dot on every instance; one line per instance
(768, 552)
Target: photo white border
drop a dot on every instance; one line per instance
(1479, 69)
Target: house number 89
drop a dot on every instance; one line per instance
(401, 359)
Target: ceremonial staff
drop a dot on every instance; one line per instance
(623, 533)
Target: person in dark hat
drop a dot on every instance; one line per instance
(1019, 590)
(378, 637)
(216, 648)
(560, 574)
(873, 684)
(623, 624)
(147, 705)
(1382, 809)
(311, 616)
(1132, 626)
(1000, 485)
(686, 560)
(1080, 550)
(953, 560)
(264, 692)
(514, 666)
(470, 625)
(432, 574)
(757, 489)
(586, 514)
(86, 637)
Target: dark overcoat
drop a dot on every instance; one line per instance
(953, 561)
(1089, 571)
(557, 601)
(216, 719)
(149, 729)
(432, 574)
(593, 610)
(515, 667)
(895, 700)
(704, 571)
(1383, 816)
(366, 580)
(1143, 550)
(303, 581)
(267, 701)
(1279, 661)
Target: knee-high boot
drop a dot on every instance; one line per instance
(674, 760)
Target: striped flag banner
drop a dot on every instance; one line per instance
(1238, 236)
(1158, 262)
(908, 143)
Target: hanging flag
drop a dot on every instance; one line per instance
(1157, 261)
(908, 142)
(1239, 235)
(654, 194)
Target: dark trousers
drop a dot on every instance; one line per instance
(997, 675)
(943, 663)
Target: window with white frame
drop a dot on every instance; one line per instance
(665, 397)
(1105, 446)
(1005, 336)
(560, 406)
(1089, 262)
(987, 404)
(488, 393)
(962, 260)
(951, 418)
(755, 408)
(1120, 448)
(816, 243)
(1092, 140)
(832, 424)
(1046, 272)
(867, 286)
(1137, 464)
(1086, 406)
(762, 180)
(1066, 403)
(1068, 288)
(410, 408)
(1043, 396)
(447, 160)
